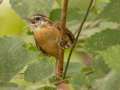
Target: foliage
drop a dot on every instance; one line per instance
(112, 57)
(103, 40)
(111, 12)
(35, 72)
(13, 57)
(23, 67)
(16, 27)
(25, 8)
(110, 82)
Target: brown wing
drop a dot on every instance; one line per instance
(68, 38)
(70, 35)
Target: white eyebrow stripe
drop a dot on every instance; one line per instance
(37, 16)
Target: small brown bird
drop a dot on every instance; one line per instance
(48, 36)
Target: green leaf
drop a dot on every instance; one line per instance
(10, 23)
(98, 70)
(73, 14)
(99, 5)
(100, 67)
(39, 71)
(77, 77)
(13, 57)
(74, 68)
(10, 86)
(111, 11)
(27, 8)
(112, 57)
(102, 40)
(55, 14)
(82, 5)
(47, 88)
(110, 82)
(78, 80)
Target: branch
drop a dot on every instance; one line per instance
(64, 13)
(79, 31)
(60, 59)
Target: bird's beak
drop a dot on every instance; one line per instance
(30, 21)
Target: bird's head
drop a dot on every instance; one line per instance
(37, 21)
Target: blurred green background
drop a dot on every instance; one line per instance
(10, 23)
(95, 60)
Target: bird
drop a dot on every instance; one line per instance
(48, 35)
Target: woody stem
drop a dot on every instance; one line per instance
(64, 13)
(60, 58)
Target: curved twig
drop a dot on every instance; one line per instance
(79, 31)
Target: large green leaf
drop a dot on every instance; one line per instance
(13, 57)
(27, 8)
(39, 71)
(102, 40)
(85, 78)
(73, 14)
(78, 81)
(80, 4)
(74, 68)
(100, 67)
(41, 86)
(111, 11)
(110, 82)
(99, 5)
(47, 88)
(10, 23)
(10, 86)
(112, 57)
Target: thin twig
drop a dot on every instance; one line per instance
(80, 29)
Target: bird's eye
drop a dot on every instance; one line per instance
(37, 18)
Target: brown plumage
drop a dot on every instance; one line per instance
(48, 35)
